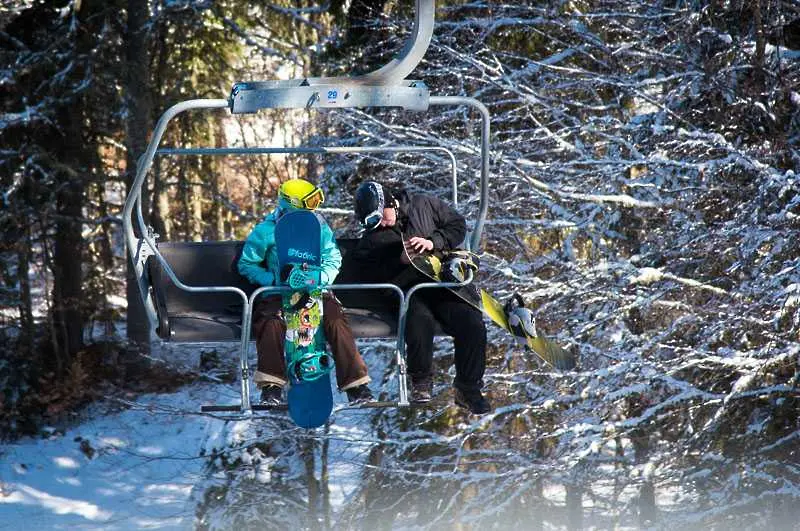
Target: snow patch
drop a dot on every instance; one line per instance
(66, 462)
(144, 475)
(29, 496)
(647, 275)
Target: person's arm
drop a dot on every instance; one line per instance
(331, 256)
(451, 227)
(252, 261)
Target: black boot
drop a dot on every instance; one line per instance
(359, 395)
(421, 390)
(472, 400)
(271, 395)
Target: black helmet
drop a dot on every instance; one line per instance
(371, 199)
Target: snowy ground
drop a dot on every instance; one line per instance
(134, 468)
(146, 466)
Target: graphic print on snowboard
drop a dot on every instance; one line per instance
(308, 365)
(432, 267)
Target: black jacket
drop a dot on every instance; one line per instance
(429, 217)
(380, 254)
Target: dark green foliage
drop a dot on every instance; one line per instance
(61, 72)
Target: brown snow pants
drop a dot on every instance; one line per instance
(269, 330)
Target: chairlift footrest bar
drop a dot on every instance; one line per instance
(369, 405)
(237, 408)
(250, 97)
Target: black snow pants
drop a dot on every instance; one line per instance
(458, 319)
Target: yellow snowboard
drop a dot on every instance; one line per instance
(549, 352)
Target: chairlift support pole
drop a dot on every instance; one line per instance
(384, 87)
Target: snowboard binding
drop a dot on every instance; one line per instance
(458, 266)
(521, 321)
(310, 366)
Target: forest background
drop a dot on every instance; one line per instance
(644, 200)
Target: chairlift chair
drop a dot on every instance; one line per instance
(183, 303)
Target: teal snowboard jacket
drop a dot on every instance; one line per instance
(259, 260)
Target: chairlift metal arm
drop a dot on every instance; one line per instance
(384, 87)
(475, 238)
(139, 247)
(400, 67)
(414, 50)
(146, 162)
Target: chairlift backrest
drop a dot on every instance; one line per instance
(185, 317)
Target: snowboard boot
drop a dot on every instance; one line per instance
(271, 395)
(421, 390)
(359, 395)
(471, 400)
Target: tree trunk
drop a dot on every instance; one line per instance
(534, 520)
(216, 169)
(107, 261)
(325, 490)
(184, 194)
(647, 493)
(196, 210)
(73, 161)
(381, 493)
(647, 504)
(761, 44)
(574, 503)
(25, 301)
(68, 256)
(138, 125)
(313, 485)
(159, 217)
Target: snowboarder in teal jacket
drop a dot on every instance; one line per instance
(259, 264)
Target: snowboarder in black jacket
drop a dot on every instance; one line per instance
(425, 224)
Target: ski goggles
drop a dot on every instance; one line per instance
(372, 220)
(310, 201)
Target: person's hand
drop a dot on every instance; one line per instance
(420, 244)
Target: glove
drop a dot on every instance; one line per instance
(298, 279)
(303, 278)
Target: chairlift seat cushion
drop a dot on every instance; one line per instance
(189, 317)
